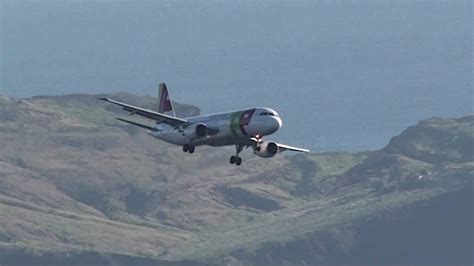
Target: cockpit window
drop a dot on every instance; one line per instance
(266, 113)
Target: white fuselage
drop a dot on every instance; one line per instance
(232, 128)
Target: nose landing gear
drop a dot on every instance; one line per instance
(235, 159)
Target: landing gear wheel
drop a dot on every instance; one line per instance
(185, 148)
(191, 149)
(235, 160)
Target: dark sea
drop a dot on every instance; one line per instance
(343, 75)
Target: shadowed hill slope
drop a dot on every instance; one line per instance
(76, 185)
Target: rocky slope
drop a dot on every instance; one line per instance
(77, 186)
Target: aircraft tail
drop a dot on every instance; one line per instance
(164, 101)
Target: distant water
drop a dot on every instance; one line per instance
(342, 76)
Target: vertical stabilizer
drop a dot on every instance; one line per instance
(164, 101)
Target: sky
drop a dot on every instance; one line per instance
(343, 75)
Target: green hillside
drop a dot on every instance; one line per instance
(77, 186)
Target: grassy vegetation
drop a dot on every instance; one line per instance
(437, 140)
(73, 180)
(328, 164)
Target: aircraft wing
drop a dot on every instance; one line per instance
(158, 117)
(136, 124)
(282, 148)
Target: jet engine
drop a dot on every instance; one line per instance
(266, 149)
(195, 131)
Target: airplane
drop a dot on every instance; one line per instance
(243, 128)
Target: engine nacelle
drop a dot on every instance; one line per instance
(266, 149)
(195, 131)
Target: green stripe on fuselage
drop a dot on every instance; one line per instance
(235, 123)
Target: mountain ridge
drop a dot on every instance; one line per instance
(75, 181)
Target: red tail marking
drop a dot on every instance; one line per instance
(165, 105)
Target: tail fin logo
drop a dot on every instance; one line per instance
(164, 101)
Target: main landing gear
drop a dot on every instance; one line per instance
(235, 159)
(188, 148)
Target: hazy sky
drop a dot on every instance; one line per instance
(343, 76)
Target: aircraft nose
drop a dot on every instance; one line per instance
(277, 123)
(280, 123)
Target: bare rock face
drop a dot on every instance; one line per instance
(78, 186)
